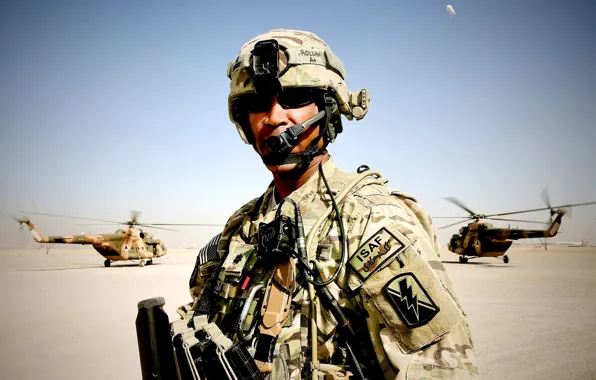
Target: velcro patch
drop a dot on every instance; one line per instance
(411, 301)
(377, 250)
(207, 254)
(209, 251)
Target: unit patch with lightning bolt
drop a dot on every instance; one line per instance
(411, 300)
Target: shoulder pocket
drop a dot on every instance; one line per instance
(207, 257)
(411, 299)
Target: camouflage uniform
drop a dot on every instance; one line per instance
(392, 284)
(440, 349)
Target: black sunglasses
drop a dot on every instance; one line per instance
(287, 98)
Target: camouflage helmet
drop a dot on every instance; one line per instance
(304, 61)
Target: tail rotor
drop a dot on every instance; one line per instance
(19, 238)
(566, 209)
(546, 198)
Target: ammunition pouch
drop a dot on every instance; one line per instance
(188, 349)
(202, 351)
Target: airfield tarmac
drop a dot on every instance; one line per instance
(64, 315)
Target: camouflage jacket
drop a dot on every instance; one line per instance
(392, 283)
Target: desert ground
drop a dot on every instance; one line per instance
(65, 316)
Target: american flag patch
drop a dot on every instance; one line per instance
(206, 254)
(209, 251)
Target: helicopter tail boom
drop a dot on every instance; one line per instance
(515, 234)
(554, 226)
(37, 235)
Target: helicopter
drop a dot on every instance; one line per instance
(128, 244)
(481, 239)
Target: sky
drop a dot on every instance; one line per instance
(113, 106)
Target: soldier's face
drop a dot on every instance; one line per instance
(276, 120)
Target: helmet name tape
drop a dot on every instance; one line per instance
(322, 57)
(295, 56)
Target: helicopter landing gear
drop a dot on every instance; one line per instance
(142, 263)
(463, 259)
(107, 263)
(505, 259)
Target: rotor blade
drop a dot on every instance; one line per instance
(518, 212)
(184, 224)
(450, 217)
(543, 208)
(452, 224)
(72, 217)
(517, 220)
(134, 216)
(157, 228)
(457, 202)
(20, 238)
(118, 224)
(98, 224)
(546, 197)
(23, 238)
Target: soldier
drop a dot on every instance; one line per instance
(374, 248)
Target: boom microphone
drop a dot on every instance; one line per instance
(285, 141)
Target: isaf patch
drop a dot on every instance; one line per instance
(411, 301)
(376, 251)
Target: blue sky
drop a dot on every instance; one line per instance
(111, 106)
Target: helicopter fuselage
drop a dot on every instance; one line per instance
(125, 244)
(480, 239)
(473, 244)
(117, 247)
